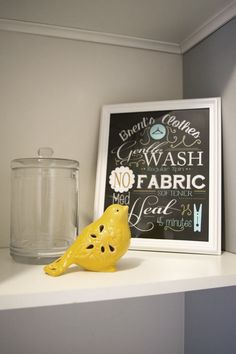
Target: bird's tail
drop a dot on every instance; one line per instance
(60, 265)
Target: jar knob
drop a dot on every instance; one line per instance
(45, 152)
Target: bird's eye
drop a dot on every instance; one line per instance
(117, 210)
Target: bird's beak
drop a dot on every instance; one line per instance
(125, 209)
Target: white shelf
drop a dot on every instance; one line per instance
(139, 274)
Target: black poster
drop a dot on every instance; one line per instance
(158, 165)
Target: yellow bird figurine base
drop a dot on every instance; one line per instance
(99, 246)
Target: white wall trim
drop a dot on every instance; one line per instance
(209, 27)
(87, 36)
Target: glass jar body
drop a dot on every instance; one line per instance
(44, 212)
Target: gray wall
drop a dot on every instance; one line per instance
(153, 325)
(51, 94)
(209, 69)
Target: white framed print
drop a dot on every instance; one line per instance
(163, 160)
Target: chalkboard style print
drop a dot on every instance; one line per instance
(163, 160)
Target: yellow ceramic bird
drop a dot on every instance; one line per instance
(99, 246)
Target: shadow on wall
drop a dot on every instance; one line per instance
(209, 70)
(212, 61)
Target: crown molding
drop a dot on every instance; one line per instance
(197, 36)
(209, 27)
(87, 36)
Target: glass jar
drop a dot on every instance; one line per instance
(44, 207)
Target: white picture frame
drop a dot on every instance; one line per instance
(181, 162)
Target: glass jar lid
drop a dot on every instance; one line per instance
(44, 159)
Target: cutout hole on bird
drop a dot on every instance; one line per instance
(89, 247)
(93, 236)
(101, 228)
(112, 249)
(102, 249)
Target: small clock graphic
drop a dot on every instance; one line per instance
(158, 131)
